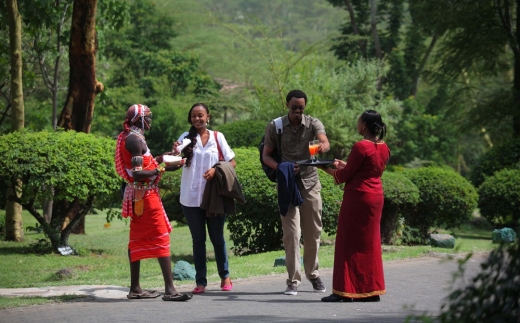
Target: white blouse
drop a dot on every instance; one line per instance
(204, 158)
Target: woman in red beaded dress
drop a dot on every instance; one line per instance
(358, 265)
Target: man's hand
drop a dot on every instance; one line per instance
(296, 169)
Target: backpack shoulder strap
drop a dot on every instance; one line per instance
(279, 125)
(279, 131)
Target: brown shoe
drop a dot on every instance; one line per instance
(317, 285)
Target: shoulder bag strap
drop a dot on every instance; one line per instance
(220, 155)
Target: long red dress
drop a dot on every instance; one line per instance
(358, 262)
(149, 232)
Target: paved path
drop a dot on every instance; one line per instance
(413, 287)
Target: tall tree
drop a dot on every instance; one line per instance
(79, 107)
(14, 223)
(373, 23)
(480, 42)
(46, 23)
(78, 111)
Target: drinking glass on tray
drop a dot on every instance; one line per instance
(316, 144)
(313, 149)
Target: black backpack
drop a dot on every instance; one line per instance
(277, 153)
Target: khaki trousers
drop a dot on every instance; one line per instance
(308, 218)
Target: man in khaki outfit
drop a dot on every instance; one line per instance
(298, 130)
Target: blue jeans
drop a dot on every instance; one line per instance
(197, 221)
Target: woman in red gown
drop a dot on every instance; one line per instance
(358, 264)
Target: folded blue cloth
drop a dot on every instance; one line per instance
(288, 191)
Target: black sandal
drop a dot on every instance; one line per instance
(177, 297)
(336, 298)
(144, 294)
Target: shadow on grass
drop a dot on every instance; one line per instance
(210, 256)
(185, 257)
(471, 236)
(18, 250)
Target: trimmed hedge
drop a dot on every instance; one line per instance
(243, 133)
(170, 186)
(401, 196)
(446, 199)
(78, 166)
(499, 198)
(505, 155)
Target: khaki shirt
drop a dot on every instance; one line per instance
(295, 145)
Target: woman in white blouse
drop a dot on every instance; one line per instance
(201, 154)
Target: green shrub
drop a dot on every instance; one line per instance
(332, 196)
(499, 197)
(170, 194)
(243, 133)
(446, 199)
(401, 195)
(493, 295)
(257, 227)
(78, 166)
(505, 155)
(411, 236)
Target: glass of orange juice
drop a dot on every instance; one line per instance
(316, 144)
(312, 149)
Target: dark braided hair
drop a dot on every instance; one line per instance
(374, 123)
(192, 135)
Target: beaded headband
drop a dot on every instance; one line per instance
(137, 111)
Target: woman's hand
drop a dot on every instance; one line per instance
(339, 164)
(208, 175)
(174, 148)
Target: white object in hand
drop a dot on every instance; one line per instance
(185, 142)
(169, 159)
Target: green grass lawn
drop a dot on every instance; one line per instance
(104, 261)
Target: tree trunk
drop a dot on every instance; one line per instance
(516, 82)
(375, 35)
(423, 64)
(355, 28)
(373, 26)
(79, 106)
(505, 11)
(47, 205)
(13, 210)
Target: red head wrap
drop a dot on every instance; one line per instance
(133, 114)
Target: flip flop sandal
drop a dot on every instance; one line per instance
(145, 294)
(177, 297)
